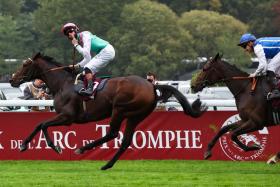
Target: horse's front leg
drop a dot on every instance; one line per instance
(58, 120)
(222, 131)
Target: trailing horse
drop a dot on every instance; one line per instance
(250, 98)
(132, 98)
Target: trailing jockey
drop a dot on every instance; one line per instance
(85, 43)
(267, 50)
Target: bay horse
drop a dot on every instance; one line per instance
(252, 105)
(132, 98)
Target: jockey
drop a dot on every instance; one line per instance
(267, 50)
(85, 43)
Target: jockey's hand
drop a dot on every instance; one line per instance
(74, 41)
(76, 66)
(252, 75)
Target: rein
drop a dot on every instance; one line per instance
(49, 70)
(63, 67)
(206, 82)
(73, 62)
(54, 69)
(254, 81)
(253, 87)
(208, 67)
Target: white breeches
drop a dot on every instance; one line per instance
(101, 59)
(274, 64)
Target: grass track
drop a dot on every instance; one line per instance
(138, 173)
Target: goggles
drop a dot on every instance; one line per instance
(67, 31)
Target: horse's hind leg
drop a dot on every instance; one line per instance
(128, 134)
(245, 128)
(222, 131)
(115, 125)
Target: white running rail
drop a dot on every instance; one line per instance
(210, 103)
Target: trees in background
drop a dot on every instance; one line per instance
(255, 13)
(224, 31)
(148, 38)
(149, 35)
(97, 16)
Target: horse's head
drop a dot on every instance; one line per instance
(27, 72)
(210, 74)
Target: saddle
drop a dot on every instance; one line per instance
(80, 83)
(273, 102)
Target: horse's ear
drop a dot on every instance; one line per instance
(37, 55)
(217, 57)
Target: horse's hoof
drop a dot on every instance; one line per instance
(58, 149)
(207, 155)
(78, 151)
(107, 166)
(22, 148)
(272, 160)
(256, 146)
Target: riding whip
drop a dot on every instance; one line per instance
(73, 58)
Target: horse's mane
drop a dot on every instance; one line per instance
(234, 68)
(52, 61)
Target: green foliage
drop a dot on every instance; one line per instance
(29, 6)
(9, 36)
(148, 35)
(224, 31)
(97, 16)
(181, 6)
(149, 38)
(10, 7)
(257, 14)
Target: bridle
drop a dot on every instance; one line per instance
(24, 78)
(206, 82)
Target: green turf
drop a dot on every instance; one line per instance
(138, 173)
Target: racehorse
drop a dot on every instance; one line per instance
(250, 99)
(132, 98)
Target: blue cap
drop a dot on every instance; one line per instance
(246, 38)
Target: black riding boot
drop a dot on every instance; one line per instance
(89, 91)
(273, 82)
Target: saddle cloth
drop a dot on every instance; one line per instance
(80, 83)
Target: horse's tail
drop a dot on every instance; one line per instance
(195, 110)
